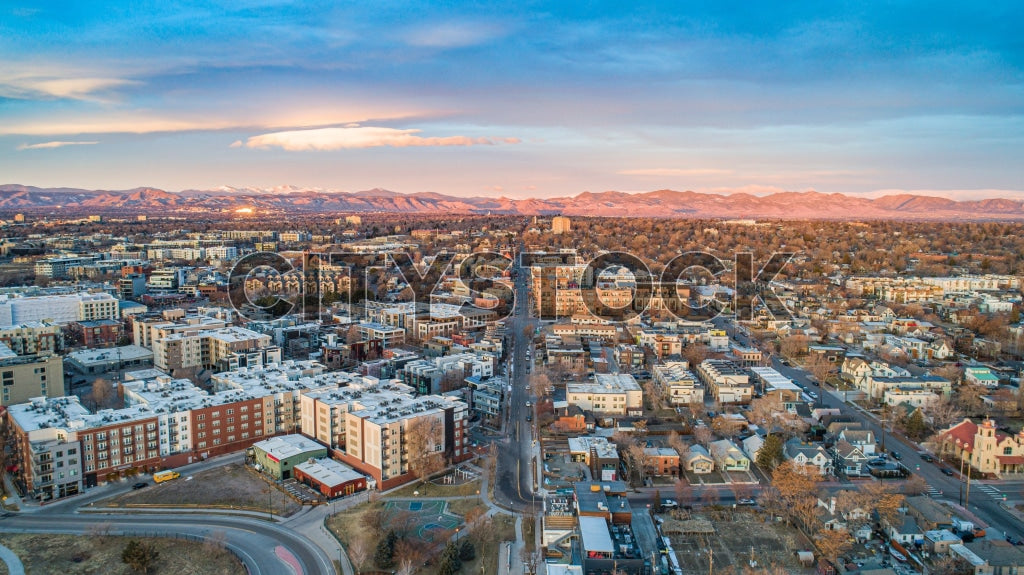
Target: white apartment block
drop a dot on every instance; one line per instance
(608, 394)
(59, 309)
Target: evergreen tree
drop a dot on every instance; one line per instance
(770, 454)
(916, 426)
(466, 550)
(384, 557)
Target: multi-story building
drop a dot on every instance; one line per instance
(448, 372)
(183, 352)
(57, 268)
(23, 377)
(727, 382)
(678, 384)
(561, 225)
(58, 309)
(378, 426)
(32, 338)
(61, 446)
(608, 394)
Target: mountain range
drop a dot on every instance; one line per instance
(661, 203)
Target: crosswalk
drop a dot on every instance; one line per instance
(932, 492)
(995, 493)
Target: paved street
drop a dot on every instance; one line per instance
(515, 481)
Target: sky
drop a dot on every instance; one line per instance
(522, 99)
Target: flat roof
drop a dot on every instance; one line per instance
(285, 446)
(329, 472)
(110, 354)
(595, 534)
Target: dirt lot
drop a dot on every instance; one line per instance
(229, 486)
(736, 536)
(74, 555)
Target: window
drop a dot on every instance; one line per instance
(1007, 451)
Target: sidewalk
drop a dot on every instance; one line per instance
(14, 565)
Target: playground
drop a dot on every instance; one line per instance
(428, 518)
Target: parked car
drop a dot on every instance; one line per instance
(140, 485)
(746, 501)
(669, 504)
(926, 457)
(895, 455)
(948, 471)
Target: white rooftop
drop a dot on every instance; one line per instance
(285, 446)
(329, 471)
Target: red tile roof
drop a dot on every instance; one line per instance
(963, 434)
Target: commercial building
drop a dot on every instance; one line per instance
(95, 361)
(277, 456)
(608, 394)
(331, 478)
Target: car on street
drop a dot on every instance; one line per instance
(948, 471)
(140, 485)
(746, 501)
(926, 457)
(895, 455)
(669, 504)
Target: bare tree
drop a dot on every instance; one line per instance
(358, 552)
(695, 353)
(101, 394)
(820, 367)
(944, 413)
(408, 556)
(422, 442)
(702, 435)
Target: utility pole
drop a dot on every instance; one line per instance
(967, 496)
(711, 560)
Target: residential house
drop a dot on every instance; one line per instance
(809, 454)
(728, 457)
(849, 460)
(662, 461)
(699, 461)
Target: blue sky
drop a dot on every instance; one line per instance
(536, 99)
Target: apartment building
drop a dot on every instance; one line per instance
(57, 309)
(378, 427)
(32, 337)
(23, 377)
(433, 375)
(60, 447)
(727, 382)
(678, 384)
(184, 352)
(147, 329)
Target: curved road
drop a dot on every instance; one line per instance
(265, 548)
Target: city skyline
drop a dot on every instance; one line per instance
(542, 101)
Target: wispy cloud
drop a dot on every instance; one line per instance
(33, 88)
(453, 34)
(58, 144)
(361, 137)
(675, 172)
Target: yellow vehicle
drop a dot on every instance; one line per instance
(162, 476)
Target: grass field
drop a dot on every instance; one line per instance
(228, 486)
(90, 555)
